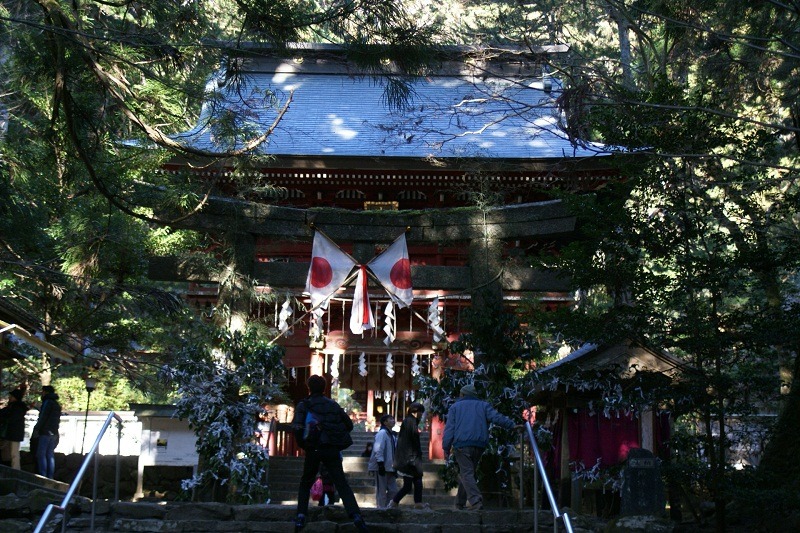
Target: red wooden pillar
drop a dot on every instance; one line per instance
(317, 363)
(437, 434)
(370, 405)
(272, 444)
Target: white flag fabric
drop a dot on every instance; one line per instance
(330, 266)
(361, 317)
(393, 269)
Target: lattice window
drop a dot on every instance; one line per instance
(273, 193)
(412, 195)
(350, 194)
(280, 193)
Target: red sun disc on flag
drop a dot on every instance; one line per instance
(401, 274)
(321, 272)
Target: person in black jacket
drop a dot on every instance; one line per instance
(327, 449)
(13, 417)
(46, 429)
(408, 458)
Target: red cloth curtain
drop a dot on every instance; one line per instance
(608, 438)
(593, 436)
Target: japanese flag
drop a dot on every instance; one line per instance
(393, 270)
(361, 317)
(330, 266)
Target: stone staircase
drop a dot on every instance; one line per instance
(284, 477)
(20, 482)
(24, 497)
(151, 517)
(361, 438)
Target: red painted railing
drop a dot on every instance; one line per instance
(281, 440)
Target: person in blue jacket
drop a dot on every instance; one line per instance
(466, 431)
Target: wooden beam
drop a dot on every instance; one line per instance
(516, 221)
(293, 275)
(541, 219)
(36, 342)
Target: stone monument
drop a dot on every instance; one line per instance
(642, 488)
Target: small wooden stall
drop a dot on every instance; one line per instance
(168, 446)
(587, 401)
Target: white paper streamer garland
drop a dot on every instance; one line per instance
(362, 365)
(284, 316)
(390, 324)
(435, 320)
(334, 368)
(315, 330)
(389, 365)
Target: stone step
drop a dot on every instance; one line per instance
(355, 467)
(351, 463)
(367, 501)
(285, 472)
(358, 476)
(283, 492)
(362, 485)
(211, 517)
(21, 514)
(22, 482)
(361, 438)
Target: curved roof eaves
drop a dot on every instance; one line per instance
(336, 114)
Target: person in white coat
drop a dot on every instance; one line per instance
(381, 462)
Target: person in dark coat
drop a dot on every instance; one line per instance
(408, 458)
(335, 437)
(46, 429)
(13, 417)
(367, 450)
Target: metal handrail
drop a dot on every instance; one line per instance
(539, 469)
(79, 476)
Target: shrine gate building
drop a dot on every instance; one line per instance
(463, 168)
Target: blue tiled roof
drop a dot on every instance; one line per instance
(334, 113)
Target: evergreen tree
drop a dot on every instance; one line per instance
(92, 92)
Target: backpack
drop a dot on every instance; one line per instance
(312, 430)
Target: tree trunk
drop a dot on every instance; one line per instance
(486, 267)
(625, 54)
(234, 290)
(779, 466)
